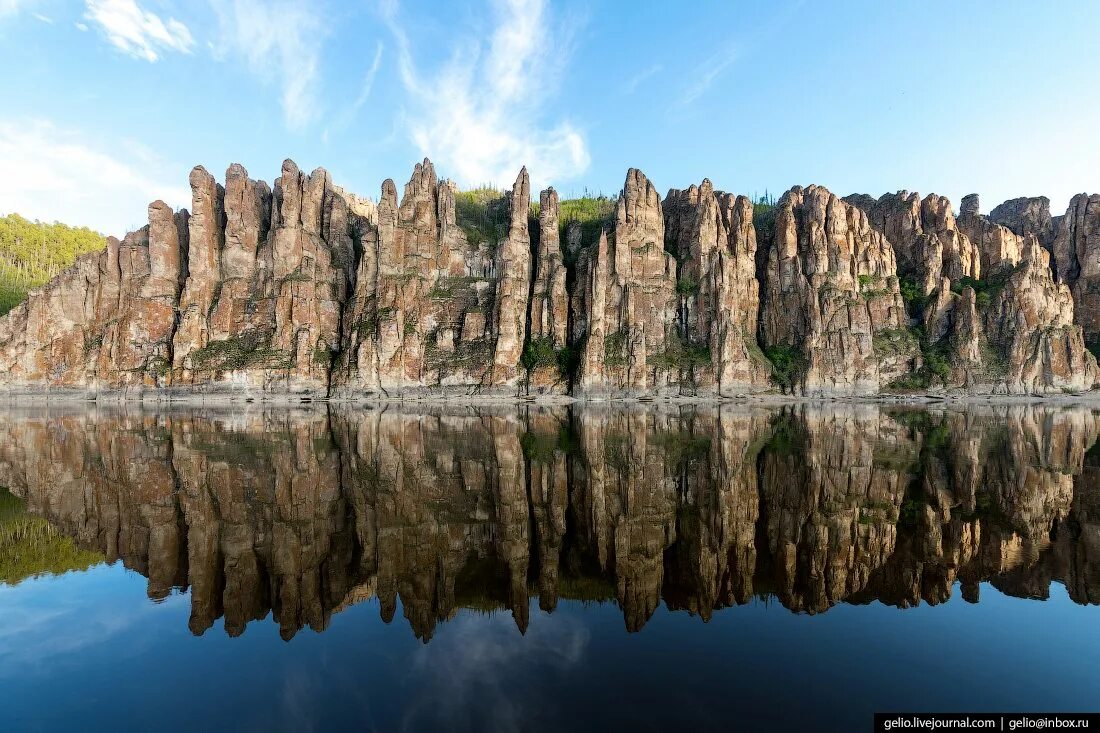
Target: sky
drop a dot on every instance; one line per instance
(106, 105)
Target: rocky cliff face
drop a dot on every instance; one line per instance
(925, 237)
(1028, 215)
(1077, 255)
(628, 293)
(302, 290)
(831, 294)
(714, 239)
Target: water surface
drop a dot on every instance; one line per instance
(534, 568)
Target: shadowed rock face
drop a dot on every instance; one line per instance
(1077, 254)
(302, 513)
(301, 291)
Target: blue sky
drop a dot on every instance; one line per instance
(107, 104)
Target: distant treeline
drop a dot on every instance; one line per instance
(32, 252)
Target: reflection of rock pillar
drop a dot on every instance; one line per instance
(549, 487)
(513, 518)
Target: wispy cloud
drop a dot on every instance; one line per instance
(482, 114)
(138, 32)
(58, 174)
(707, 73)
(11, 7)
(635, 81)
(348, 115)
(281, 42)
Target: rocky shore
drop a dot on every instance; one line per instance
(302, 290)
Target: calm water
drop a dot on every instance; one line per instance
(536, 568)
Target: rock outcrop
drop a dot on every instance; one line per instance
(1077, 256)
(925, 237)
(713, 235)
(304, 291)
(549, 334)
(1028, 215)
(436, 311)
(627, 289)
(831, 300)
(998, 246)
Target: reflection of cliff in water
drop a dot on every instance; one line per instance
(302, 513)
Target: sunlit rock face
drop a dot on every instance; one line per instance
(714, 238)
(435, 313)
(627, 290)
(107, 321)
(831, 294)
(549, 334)
(300, 514)
(1015, 330)
(299, 291)
(925, 237)
(268, 274)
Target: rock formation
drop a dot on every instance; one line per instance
(304, 291)
(925, 237)
(715, 241)
(831, 297)
(549, 333)
(1077, 256)
(1028, 215)
(627, 289)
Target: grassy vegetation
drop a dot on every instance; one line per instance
(448, 285)
(987, 288)
(679, 354)
(33, 252)
(483, 214)
(593, 213)
(249, 349)
(30, 547)
(687, 286)
(894, 341)
(913, 295)
(936, 367)
(540, 353)
(614, 349)
(787, 364)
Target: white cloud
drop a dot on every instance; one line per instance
(348, 115)
(55, 174)
(480, 116)
(707, 73)
(137, 32)
(635, 81)
(11, 7)
(281, 42)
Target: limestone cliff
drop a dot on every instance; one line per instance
(1077, 255)
(714, 239)
(831, 297)
(302, 290)
(627, 287)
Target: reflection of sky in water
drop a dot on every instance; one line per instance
(91, 647)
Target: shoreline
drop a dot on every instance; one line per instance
(161, 398)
